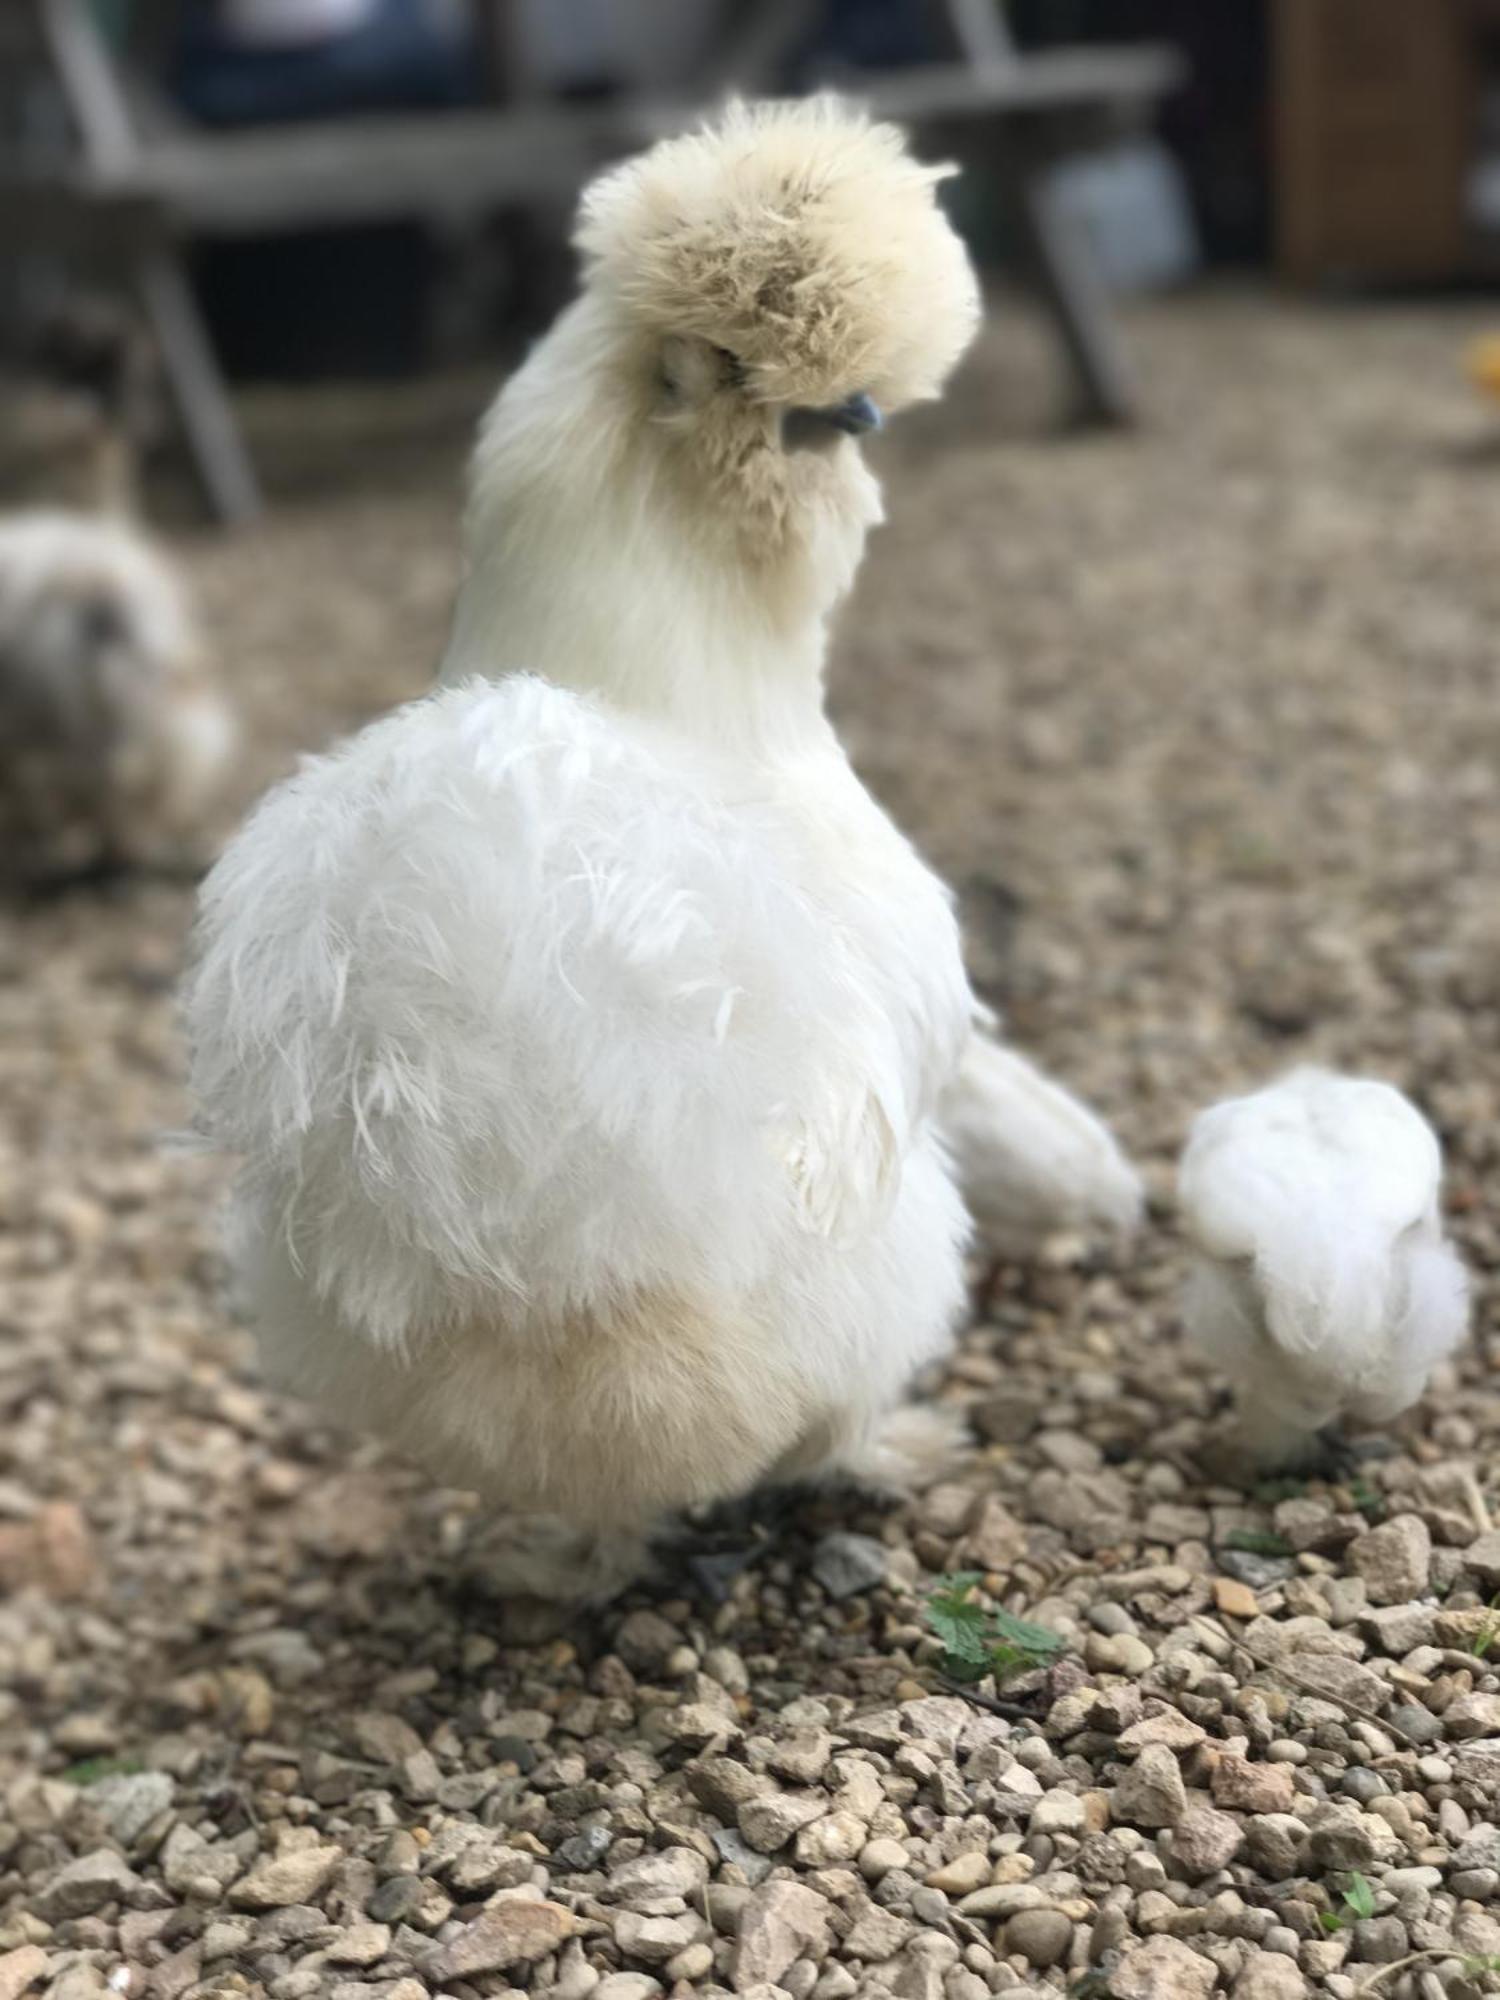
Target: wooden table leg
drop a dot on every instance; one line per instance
(1075, 293)
(198, 389)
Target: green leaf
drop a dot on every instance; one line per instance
(960, 1624)
(1329, 1921)
(959, 1582)
(978, 1640)
(1270, 1492)
(962, 1636)
(1025, 1637)
(92, 1769)
(1489, 1630)
(1008, 1661)
(958, 1667)
(1254, 1542)
(1359, 1896)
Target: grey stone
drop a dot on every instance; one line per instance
(847, 1564)
(627, 1986)
(294, 1877)
(1362, 1785)
(734, 1848)
(1268, 1975)
(1470, 1715)
(131, 1801)
(585, 1850)
(1394, 1559)
(1275, 1843)
(514, 1931)
(1347, 1680)
(801, 1758)
(1058, 1812)
(86, 1885)
(1399, 1629)
(770, 1822)
(1379, 1940)
(673, 1875)
(723, 1784)
(655, 1939)
(1162, 1969)
(1205, 1840)
(1341, 1836)
(383, 1738)
(646, 1641)
(875, 1935)
(396, 1900)
(1041, 1937)
(1419, 1723)
(1260, 1572)
(359, 1944)
(1151, 1793)
(781, 1922)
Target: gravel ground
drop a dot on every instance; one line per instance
(1204, 724)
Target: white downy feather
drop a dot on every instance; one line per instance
(1032, 1159)
(1323, 1284)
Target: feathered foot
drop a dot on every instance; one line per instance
(1261, 1445)
(544, 1559)
(1033, 1160)
(916, 1446)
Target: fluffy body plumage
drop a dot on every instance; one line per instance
(587, 1100)
(112, 737)
(1323, 1284)
(583, 1028)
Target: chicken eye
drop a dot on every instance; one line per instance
(689, 371)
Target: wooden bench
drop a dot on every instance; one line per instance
(1026, 112)
(139, 181)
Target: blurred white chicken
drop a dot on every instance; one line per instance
(583, 1028)
(113, 735)
(1323, 1285)
(113, 738)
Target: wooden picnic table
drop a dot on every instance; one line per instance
(141, 181)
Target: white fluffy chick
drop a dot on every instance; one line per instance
(582, 1027)
(113, 739)
(1323, 1285)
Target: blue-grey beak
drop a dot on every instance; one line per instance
(854, 416)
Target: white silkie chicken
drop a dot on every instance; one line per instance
(583, 1028)
(113, 736)
(1323, 1285)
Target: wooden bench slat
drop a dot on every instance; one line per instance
(317, 174)
(1049, 82)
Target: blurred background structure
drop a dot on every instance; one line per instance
(305, 188)
(311, 155)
